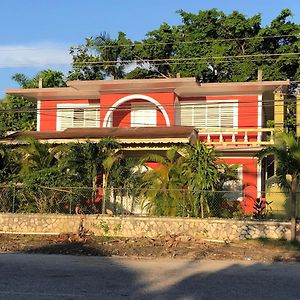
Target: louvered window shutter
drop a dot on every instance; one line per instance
(92, 116)
(226, 115)
(208, 115)
(212, 115)
(77, 116)
(186, 114)
(199, 116)
(65, 118)
(78, 120)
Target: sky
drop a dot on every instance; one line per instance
(37, 34)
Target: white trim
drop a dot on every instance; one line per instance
(258, 184)
(259, 111)
(107, 122)
(38, 116)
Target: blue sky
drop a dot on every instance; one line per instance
(36, 34)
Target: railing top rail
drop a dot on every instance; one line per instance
(230, 130)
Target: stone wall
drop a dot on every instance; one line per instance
(216, 229)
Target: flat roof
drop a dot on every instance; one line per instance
(183, 87)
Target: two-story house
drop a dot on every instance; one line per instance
(151, 113)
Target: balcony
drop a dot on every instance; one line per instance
(237, 136)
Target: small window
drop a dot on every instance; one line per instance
(77, 116)
(143, 115)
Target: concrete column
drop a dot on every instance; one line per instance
(278, 110)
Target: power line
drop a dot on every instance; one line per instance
(187, 58)
(170, 61)
(214, 104)
(139, 44)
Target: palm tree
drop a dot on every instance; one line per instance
(87, 161)
(286, 152)
(162, 187)
(37, 156)
(203, 175)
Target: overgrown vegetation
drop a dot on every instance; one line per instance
(95, 177)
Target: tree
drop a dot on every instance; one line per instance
(87, 161)
(50, 78)
(19, 113)
(286, 152)
(37, 156)
(9, 164)
(203, 175)
(210, 45)
(100, 57)
(162, 188)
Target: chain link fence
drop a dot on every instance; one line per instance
(140, 202)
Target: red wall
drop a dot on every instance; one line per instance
(122, 117)
(249, 180)
(247, 108)
(48, 112)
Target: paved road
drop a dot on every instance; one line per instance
(32, 276)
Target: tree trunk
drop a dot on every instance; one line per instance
(294, 209)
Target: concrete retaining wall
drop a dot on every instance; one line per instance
(220, 229)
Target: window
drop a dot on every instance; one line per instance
(234, 188)
(77, 116)
(212, 114)
(143, 115)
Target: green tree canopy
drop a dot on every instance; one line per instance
(17, 113)
(210, 45)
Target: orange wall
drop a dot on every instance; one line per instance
(247, 108)
(247, 111)
(122, 117)
(249, 180)
(48, 111)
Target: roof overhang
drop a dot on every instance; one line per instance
(183, 87)
(232, 88)
(126, 136)
(92, 89)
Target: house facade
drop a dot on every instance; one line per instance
(232, 117)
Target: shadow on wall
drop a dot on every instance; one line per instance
(281, 203)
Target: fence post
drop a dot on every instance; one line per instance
(104, 200)
(14, 197)
(70, 207)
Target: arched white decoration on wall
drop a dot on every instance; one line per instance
(107, 122)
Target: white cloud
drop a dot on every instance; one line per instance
(38, 55)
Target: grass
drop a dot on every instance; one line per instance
(288, 245)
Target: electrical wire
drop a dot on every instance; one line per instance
(139, 44)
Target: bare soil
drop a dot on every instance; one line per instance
(165, 246)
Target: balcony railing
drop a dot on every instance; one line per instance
(237, 136)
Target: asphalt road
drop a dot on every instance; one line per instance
(32, 276)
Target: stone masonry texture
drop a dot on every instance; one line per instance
(216, 229)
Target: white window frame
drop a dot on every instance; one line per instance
(135, 107)
(205, 104)
(230, 184)
(75, 106)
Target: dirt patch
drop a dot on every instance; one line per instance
(166, 246)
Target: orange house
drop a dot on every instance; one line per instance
(230, 116)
